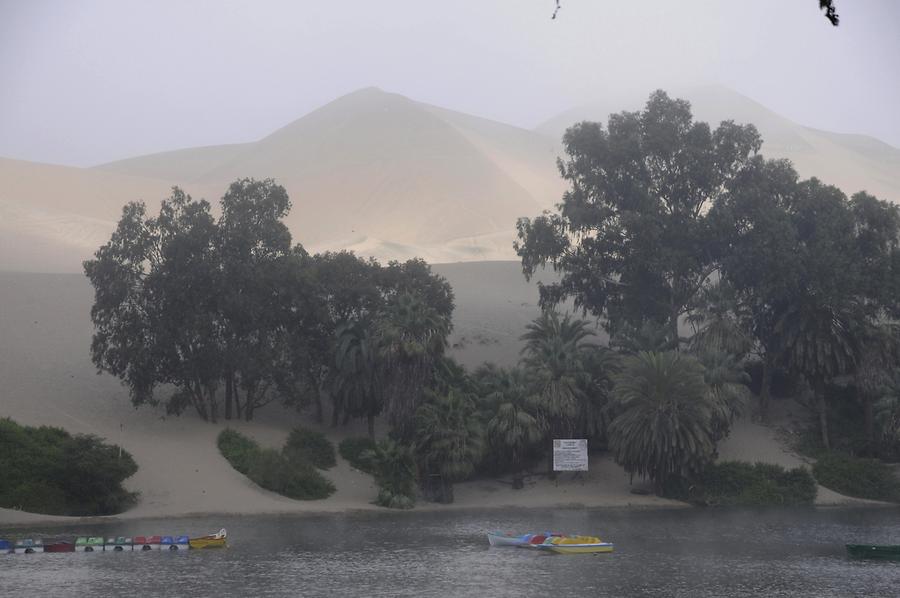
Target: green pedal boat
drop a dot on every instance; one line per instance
(870, 551)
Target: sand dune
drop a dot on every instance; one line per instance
(386, 176)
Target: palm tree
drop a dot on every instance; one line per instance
(514, 425)
(716, 321)
(663, 427)
(873, 376)
(726, 389)
(411, 337)
(449, 442)
(355, 378)
(554, 358)
(821, 341)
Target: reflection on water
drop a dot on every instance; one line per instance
(774, 552)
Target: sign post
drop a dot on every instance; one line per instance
(570, 454)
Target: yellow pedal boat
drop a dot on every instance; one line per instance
(575, 545)
(211, 541)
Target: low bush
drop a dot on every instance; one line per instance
(862, 478)
(294, 478)
(287, 472)
(394, 468)
(47, 470)
(738, 483)
(237, 449)
(354, 449)
(311, 446)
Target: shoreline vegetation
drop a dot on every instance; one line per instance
(713, 287)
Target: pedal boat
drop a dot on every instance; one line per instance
(216, 540)
(575, 545)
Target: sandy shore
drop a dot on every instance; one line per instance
(48, 379)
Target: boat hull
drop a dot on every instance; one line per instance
(577, 548)
(869, 551)
(200, 543)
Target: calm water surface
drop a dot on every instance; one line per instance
(771, 552)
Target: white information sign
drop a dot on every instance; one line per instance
(570, 454)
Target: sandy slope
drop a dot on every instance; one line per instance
(47, 379)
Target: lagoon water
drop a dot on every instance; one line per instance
(691, 552)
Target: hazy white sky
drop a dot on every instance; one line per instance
(83, 82)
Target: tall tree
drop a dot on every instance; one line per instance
(155, 307)
(761, 265)
(632, 239)
(253, 243)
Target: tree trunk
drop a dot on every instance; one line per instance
(676, 345)
(213, 406)
(229, 399)
(766, 388)
(248, 404)
(436, 489)
(370, 421)
(335, 414)
(823, 412)
(869, 418)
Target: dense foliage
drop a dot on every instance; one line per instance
(862, 478)
(288, 472)
(355, 450)
(737, 483)
(670, 225)
(47, 470)
(228, 306)
(394, 467)
(311, 446)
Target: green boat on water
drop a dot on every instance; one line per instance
(868, 551)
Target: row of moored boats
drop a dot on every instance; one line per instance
(115, 544)
(551, 542)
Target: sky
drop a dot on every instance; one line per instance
(84, 82)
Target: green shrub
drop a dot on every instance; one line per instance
(297, 479)
(237, 449)
(395, 474)
(47, 470)
(738, 483)
(862, 478)
(286, 472)
(354, 449)
(311, 446)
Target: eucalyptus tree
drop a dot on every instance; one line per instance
(253, 244)
(449, 442)
(761, 264)
(155, 309)
(632, 238)
(663, 428)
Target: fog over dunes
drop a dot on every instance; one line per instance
(387, 176)
(851, 162)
